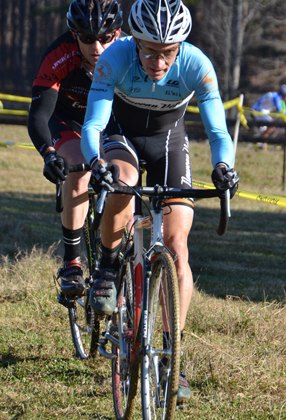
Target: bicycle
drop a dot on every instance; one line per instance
(147, 306)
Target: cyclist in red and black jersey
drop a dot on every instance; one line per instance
(59, 97)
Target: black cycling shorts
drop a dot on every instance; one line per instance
(166, 155)
(63, 130)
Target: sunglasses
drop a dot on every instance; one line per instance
(90, 39)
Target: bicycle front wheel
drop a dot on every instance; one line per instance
(84, 323)
(84, 327)
(161, 357)
(125, 364)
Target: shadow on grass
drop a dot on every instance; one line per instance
(61, 367)
(27, 220)
(8, 359)
(248, 262)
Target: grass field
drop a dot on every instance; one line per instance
(234, 350)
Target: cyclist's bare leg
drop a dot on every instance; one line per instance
(119, 209)
(177, 225)
(75, 207)
(75, 187)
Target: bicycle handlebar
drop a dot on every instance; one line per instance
(156, 191)
(168, 192)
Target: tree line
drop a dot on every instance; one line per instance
(245, 39)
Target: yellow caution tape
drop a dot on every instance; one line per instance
(14, 98)
(242, 111)
(227, 105)
(13, 112)
(261, 198)
(12, 143)
(280, 115)
(193, 109)
(230, 104)
(26, 146)
(242, 116)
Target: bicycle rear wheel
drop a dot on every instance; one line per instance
(125, 365)
(161, 363)
(84, 323)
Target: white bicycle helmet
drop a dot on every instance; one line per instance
(160, 21)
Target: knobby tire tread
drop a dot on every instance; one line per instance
(125, 413)
(164, 259)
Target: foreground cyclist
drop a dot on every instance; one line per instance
(60, 92)
(149, 78)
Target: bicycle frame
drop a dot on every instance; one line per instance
(141, 261)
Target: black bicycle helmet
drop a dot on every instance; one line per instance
(94, 17)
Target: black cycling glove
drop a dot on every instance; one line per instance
(55, 168)
(104, 172)
(224, 179)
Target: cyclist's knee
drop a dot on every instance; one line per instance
(177, 243)
(77, 182)
(128, 174)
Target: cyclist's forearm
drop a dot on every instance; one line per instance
(213, 116)
(222, 149)
(90, 143)
(96, 118)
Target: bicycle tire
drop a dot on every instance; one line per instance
(160, 382)
(125, 372)
(84, 323)
(84, 328)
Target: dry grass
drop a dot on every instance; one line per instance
(234, 349)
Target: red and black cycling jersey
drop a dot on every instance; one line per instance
(60, 87)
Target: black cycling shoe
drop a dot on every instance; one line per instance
(72, 282)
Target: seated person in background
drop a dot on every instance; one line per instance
(267, 103)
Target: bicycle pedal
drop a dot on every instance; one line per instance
(102, 341)
(105, 353)
(64, 301)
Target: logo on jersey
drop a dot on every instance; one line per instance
(155, 104)
(134, 90)
(172, 92)
(63, 59)
(209, 81)
(102, 71)
(173, 83)
(78, 105)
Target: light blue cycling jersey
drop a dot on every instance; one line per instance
(157, 105)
